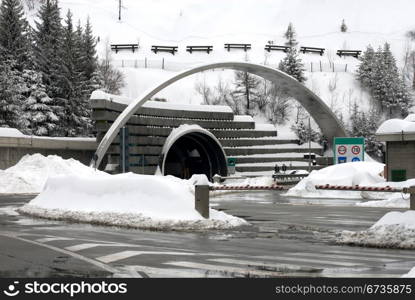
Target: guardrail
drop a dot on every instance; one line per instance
(385, 189)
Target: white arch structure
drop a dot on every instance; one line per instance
(321, 113)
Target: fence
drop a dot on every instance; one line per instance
(169, 65)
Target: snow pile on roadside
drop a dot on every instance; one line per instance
(355, 173)
(410, 274)
(393, 230)
(31, 172)
(130, 200)
(397, 200)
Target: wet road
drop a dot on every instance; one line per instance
(288, 237)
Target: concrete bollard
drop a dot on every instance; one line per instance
(202, 200)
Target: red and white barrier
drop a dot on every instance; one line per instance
(246, 187)
(361, 188)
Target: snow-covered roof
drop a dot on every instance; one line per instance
(397, 129)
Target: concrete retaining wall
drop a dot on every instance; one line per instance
(12, 149)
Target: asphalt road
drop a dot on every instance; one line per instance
(288, 237)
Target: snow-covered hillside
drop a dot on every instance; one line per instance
(214, 22)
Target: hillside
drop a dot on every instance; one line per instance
(214, 22)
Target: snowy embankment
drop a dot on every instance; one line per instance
(74, 192)
(355, 173)
(393, 230)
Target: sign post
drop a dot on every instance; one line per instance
(348, 149)
(231, 165)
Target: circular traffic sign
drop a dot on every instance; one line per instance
(355, 150)
(355, 159)
(342, 149)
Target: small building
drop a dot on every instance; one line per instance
(399, 136)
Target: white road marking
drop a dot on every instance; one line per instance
(347, 257)
(75, 255)
(84, 246)
(80, 247)
(51, 239)
(126, 254)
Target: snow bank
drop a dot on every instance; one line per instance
(354, 173)
(393, 230)
(410, 274)
(397, 200)
(397, 125)
(132, 200)
(31, 172)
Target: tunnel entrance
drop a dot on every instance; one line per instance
(195, 153)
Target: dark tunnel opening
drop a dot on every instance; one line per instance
(195, 153)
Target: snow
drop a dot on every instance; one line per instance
(410, 274)
(10, 132)
(354, 173)
(100, 95)
(131, 200)
(393, 230)
(243, 118)
(394, 126)
(32, 171)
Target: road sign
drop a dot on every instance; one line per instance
(348, 149)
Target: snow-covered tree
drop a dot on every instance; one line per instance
(292, 65)
(379, 73)
(365, 72)
(365, 124)
(10, 101)
(290, 35)
(343, 26)
(89, 52)
(48, 48)
(39, 112)
(14, 42)
(246, 88)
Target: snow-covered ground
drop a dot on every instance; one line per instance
(393, 230)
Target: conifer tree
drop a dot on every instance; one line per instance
(292, 65)
(343, 27)
(38, 110)
(290, 35)
(14, 42)
(10, 101)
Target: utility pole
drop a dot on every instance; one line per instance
(309, 145)
(119, 10)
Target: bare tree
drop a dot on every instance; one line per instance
(111, 79)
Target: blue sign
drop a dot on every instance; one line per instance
(355, 159)
(341, 159)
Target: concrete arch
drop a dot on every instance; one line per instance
(324, 117)
(176, 153)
